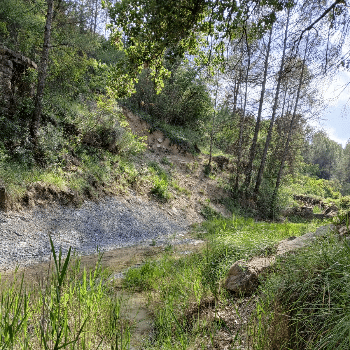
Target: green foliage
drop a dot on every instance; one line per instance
(326, 153)
(316, 187)
(178, 284)
(184, 100)
(71, 307)
(312, 289)
(160, 181)
(155, 31)
(209, 213)
(22, 23)
(180, 189)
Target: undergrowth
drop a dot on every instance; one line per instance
(69, 308)
(305, 303)
(176, 284)
(160, 180)
(88, 151)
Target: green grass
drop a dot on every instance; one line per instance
(96, 171)
(312, 289)
(176, 285)
(160, 181)
(70, 308)
(180, 189)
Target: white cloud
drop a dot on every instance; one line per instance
(332, 133)
(336, 91)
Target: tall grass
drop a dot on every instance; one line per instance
(69, 308)
(305, 304)
(178, 286)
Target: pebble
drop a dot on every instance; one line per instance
(111, 223)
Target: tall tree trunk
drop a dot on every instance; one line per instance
(252, 151)
(95, 15)
(274, 110)
(35, 123)
(242, 119)
(213, 125)
(236, 92)
(290, 131)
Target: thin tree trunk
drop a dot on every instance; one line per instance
(274, 110)
(242, 121)
(290, 132)
(236, 92)
(252, 151)
(213, 125)
(95, 15)
(235, 97)
(35, 123)
(284, 100)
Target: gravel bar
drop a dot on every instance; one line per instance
(111, 223)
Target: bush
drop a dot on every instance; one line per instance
(184, 100)
(160, 182)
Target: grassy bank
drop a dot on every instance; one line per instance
(302, 303)
(178, 285)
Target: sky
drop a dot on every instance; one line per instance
(336, 118)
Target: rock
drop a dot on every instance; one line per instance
(160, 140)
(309, 200)
(331, 210)
(319, 216)
(288, 245)
(3, 198)
(243, 277)
(343, 230)
(306, 212)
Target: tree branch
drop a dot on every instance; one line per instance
(330, 8)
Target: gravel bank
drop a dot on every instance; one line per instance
(109, 224)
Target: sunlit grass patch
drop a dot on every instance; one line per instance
(177, 285)
(160, 181)
(179, 189)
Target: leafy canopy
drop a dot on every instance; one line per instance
(150, 30)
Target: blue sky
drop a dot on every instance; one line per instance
(336, 118)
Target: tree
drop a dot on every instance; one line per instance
(148, 29)
(291, 127)
(248, 172)
(326, 153)
(44, 61)
(274, 111)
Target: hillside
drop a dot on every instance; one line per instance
(164, 184)
(174, 215)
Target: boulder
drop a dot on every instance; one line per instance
(243, 276)
(294, 243)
